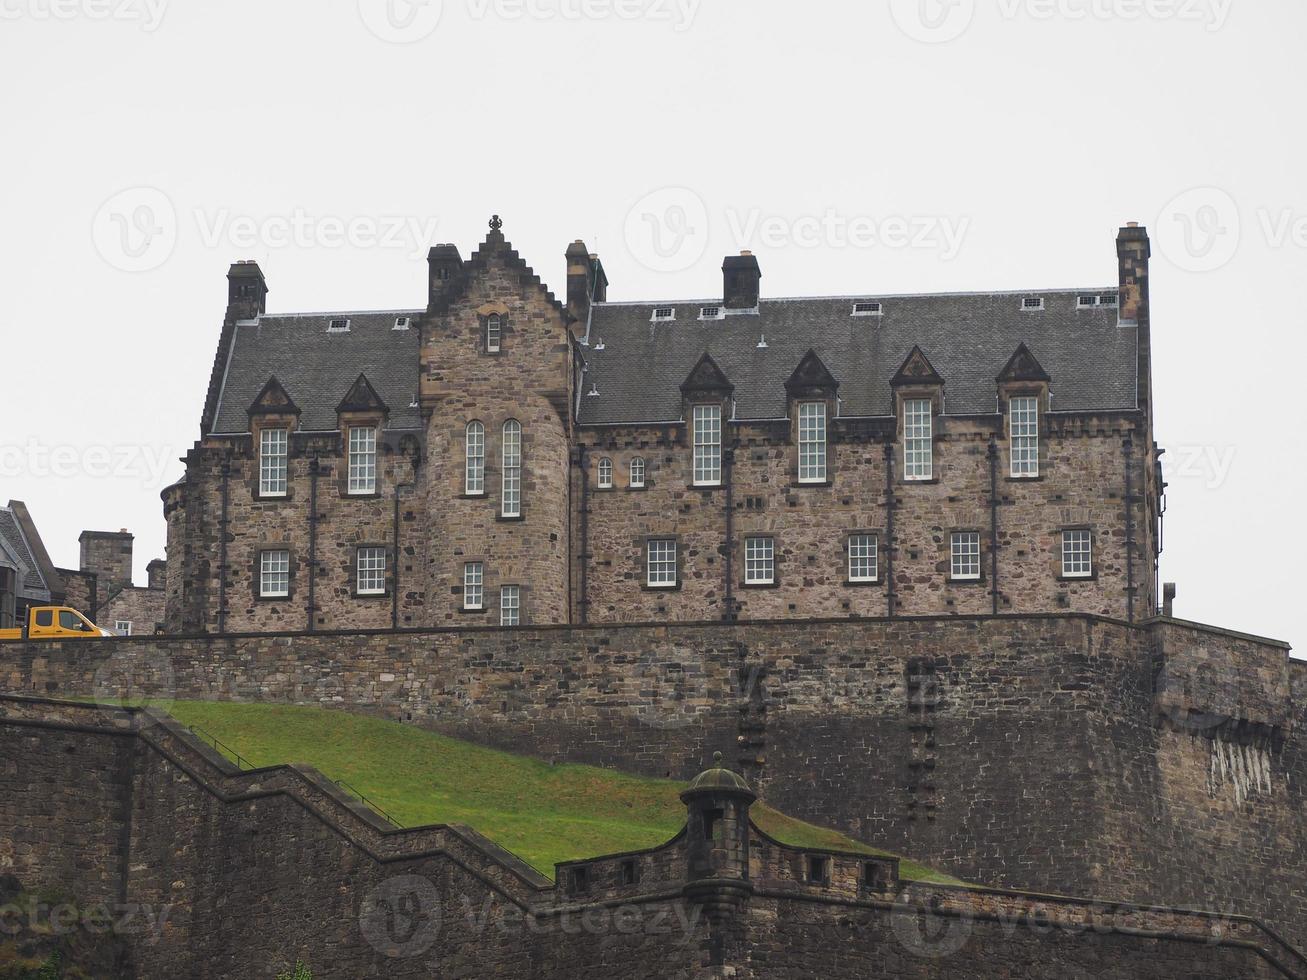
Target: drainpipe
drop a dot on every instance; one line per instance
(993, 522)
(1129, 529)
(728, 468)
(394, 576)
(222, 546)
(583, 606)
(889, 528)
(313, 539)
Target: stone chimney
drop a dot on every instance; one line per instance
(109, 555)
(586, 282)
(157, 572)
(741, 280)
(1132, 254)
(247, 291)
(444, 270)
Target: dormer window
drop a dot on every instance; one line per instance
(710, 313)
(1023, 436)
(362, 460)
(1109, 299)
(707, 434)
(1086, 302)
(918, 439)
(867, 308)
(662, 313)
(338, 324)
(1032, 304)
(494, 333)
(272, 462)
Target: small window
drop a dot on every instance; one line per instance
(1031, 304)
(710, 313)
(401, 323)
(1023, 436)
(511, 483)
(864, 558)
(510, 605)
(759, 561)
(664, 313)
(866, 309)
(818, 869)
(812, 442)
(874, 876)
(362, 460)
(1110, 299)
(965, 555)
(661, 563)
(637, 472)
(1086, 302)
(494, 333)
(123, 627)
(714, 826)
(473, 585)
(707, 445)
(45, 617)
(272, 462)
(1077, 554)
(630, 872)
(274, 574)
(605, 474)
(474, 476)
(918, 454)
(371, 565)
(580, 880)
(338, 325)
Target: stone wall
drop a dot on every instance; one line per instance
(143, 608)
(1020, 751)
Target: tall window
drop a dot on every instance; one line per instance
(661, 563)
(474, 596)
(362, 460)
(1077, 554)
(494, 333)
(918, 456)
(1023, 433)
(510, 504)
(371, 571)
(272, 462)
(474, 478)
(812, 442)
(965, 549)
(637, 472)
(510, 605)
(864, 558)
(707, 445)
(274, 574)
(759, 561)
(605, 474)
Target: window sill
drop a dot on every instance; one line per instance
(1033, 478)
(506, 519)
(965, 581)
(358, 495)
(370, 595)
(802, 484)
(271, 497)
(479, 611)
(861, 583)
(673, 587)
(706, 486)
(919, 481)
(1093, 577)
(272, 598)
(760, 585)
(472, 496)
(640, 487)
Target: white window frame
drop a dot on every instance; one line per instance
(1032, 304)
(510, 605)
(964, 556)
(362, 460)
(370, 571)
(123, 627)
(274, 567)
(1023, 436)
(637, 470)
(663, 314)
(274, 453)
(1077, 553)
(712, 313)
(812, 442)
(494, 333)
(660, 563)
(864, 557)
(510, 498)
(867, 307)
(605, 473)
(706, 422)
(918, 439)
(474, 459)
(474, 585)
(760, 560)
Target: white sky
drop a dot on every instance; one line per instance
(1012, 136)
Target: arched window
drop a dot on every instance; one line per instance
(637, 472)
(511, 499)
(494, 333)
(474, 479)
(605, 474)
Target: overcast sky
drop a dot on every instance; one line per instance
(880, 147)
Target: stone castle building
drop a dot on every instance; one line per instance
(506, 457)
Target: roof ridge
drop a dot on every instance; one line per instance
(1068, 291)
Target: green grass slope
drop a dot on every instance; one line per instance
(542, 813)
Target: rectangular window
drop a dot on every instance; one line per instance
(122, 627)
(274, 574)
(918, 451)
(372, 571)
(474, 478)
(812, 442)
(510, 605)
(1077, 554)
(661, 563)
(759, 561)
(707, 445)
(363, 460)
(1023, 434)
(473, 586)
(272, 463)
(864, 558)
(511, 497)
(965, 547)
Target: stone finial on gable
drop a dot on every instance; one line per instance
(362, 397)
(1022, 366)
(811, 377)
(706, 376)
(916, 370)
(273, 399)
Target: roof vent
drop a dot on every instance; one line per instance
(711, 313)
(593, 392)
(664, 313)
(1086, 302)
(867, 308)
(599, 343)
(401, 323)
(762, 342)
(338, 325)
(1032, 304)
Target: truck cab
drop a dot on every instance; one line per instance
(55, 623)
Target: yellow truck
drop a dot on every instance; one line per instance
(55, 623)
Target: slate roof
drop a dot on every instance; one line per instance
(318, 369)
(32, 584)
(1090, 357)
